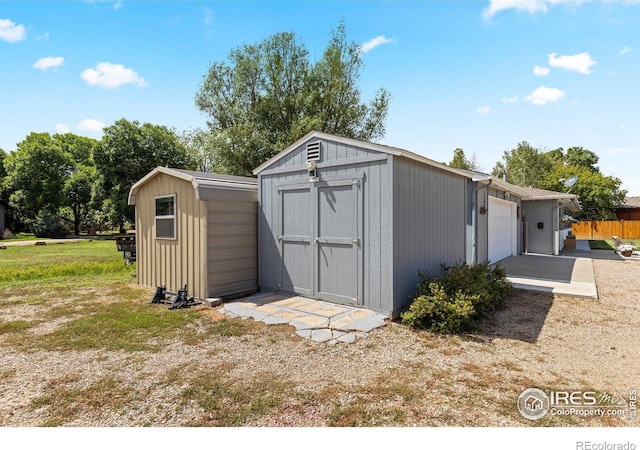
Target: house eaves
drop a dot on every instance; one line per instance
(565, 199)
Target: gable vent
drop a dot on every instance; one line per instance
(313, 151)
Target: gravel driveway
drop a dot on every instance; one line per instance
(267, 376)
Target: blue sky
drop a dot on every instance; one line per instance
(480, 75)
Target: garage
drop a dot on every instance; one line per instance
(502, 229)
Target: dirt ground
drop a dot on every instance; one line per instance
(267, 376)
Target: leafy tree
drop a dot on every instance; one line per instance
(578, 156)
(523, 165)
(598, 194)
(36, 174)
(460, 161)
(3, 174)
(126, 153)
(269, 94)
(200, 146)
(79, 181)
(3, 171)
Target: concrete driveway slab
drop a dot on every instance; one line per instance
(566, 275)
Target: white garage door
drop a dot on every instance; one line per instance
(502, 229)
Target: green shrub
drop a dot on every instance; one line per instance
(48, 225)
(458, 299)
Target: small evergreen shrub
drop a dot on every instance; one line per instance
(458, 299)
(48, 225)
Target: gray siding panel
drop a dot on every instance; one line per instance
(377, 215)
(540, 240)
(429, 223)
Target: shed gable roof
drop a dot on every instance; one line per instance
(201, 181)
(395, 151)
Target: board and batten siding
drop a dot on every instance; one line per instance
(232, 246)
(429, 226)
(172, 262)
(338, 160)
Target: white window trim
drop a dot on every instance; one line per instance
(156, 217)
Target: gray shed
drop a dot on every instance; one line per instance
(198, 229)
(353, 222)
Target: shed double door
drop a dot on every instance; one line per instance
(320, 239)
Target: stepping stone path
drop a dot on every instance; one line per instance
(313, 319)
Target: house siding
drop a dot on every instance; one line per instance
(430, 224)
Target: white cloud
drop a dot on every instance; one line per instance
(111, 76)
(530, 6)
(50, 62)
(511, 99)
(544, 95)
(536, 6)
(43, 37)
(625, 50)
(576, 63)
(483, 110)
(117, 5)
(375, 42)
(91, 125)
(61, 128)
(541, 71)
(11, 32)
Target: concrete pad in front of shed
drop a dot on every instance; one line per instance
(292, 302)
(309, 322)
(317, 320)
(244, 310)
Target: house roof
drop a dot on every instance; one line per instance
(395, 151)
(630, 203)
(201, 181)
(568, 200)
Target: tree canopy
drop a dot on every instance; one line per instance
(127, 152)
(460, 161)
(269, 94)
(528, 166)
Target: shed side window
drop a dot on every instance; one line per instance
(166, 217)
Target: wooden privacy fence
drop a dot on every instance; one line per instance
(604, 229)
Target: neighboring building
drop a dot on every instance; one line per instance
(545, 229)
(629, 210)
(198, 229)
(353, 222)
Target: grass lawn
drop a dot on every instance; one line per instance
(82, 346)
(23, 237)
(29, 263)
(608, 244)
